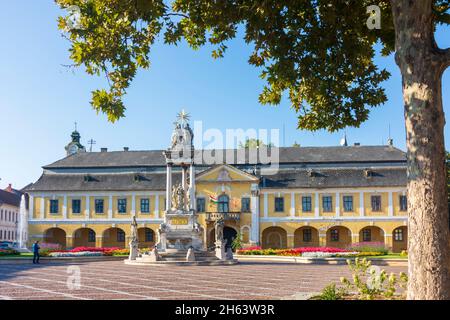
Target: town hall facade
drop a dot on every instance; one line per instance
(318, 196)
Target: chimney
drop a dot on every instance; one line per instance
(103, 149)
(9, 188)
(126, 149)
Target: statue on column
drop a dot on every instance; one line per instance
(134, 242)
(178, 197)
(219, 229)
(220, 243)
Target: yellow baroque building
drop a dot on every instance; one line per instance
(319, 196)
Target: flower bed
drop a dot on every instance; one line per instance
(76, 254)
(290, 252)
(379, 247)
(8, 252)
(313, 252)
(87, 251)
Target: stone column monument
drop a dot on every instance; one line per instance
(180, 231)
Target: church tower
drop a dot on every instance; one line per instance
(75, 146)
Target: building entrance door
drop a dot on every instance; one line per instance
(229, 234)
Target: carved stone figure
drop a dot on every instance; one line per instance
(134, 240)
(219, 229)
(178, 197)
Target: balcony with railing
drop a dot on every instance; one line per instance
(214, 216)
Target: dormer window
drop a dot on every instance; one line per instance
(369, 173)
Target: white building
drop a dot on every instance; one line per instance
(9, 214)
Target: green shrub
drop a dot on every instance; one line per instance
(331, 293)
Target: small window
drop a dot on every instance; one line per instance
(76, 206)
(307, 235)
(120, 236)
(145, 205)
(327, 203)
(376, 203)
(398, 234)
(334, 235)
(348, 203)
(122, 205)
(306, 204)
(91, 236)
(99, 205)
(201, 205)
(148, 235)
(367, 235)
(403, 203)
(279, 204)
(245, 205)
(54, 206)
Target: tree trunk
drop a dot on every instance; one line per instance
(422, 64)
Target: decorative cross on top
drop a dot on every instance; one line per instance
(75, 126)
(183, 117)
(91, 142)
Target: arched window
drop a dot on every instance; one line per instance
(223, 205)
(398, 234)
(91, 235)
(367, 235)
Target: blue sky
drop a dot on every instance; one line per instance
(40, 99)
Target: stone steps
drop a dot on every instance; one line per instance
(181, 256)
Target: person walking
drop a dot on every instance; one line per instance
(36, 252)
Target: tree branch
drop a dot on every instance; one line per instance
(176, 14)
(446, 58)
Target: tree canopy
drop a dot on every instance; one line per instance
(321, 53)
(254, 143)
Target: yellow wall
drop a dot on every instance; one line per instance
(236, 189)
(368, 204)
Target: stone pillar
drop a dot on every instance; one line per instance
(169, 187)
(193, 204)
(290, 240)
(133, 204)
(355, 237)
(88, 209)
(254, 201)
(64, 208)
(69, 241)
(316, 205)
(391, 206)
(292, 211)
(184, 184)
(361, 204)
(42, 213)
(156, 206)
(388, 241)
(338, 205)
(266, 205)
(184, 178)
(31, 208)
(110, 207)
(322, 239)
(99, 241)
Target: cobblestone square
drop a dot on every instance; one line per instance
(115, 280)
